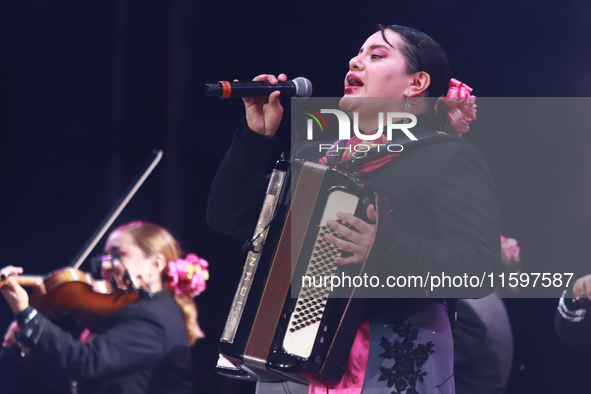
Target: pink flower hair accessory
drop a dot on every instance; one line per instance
(187, 276)
(509, 248)
(461, 106)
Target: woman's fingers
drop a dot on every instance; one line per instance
(371, 213)
(15, 295)
(361, 225)
(358, 237)
(582, 286)
(273, 111)
(272, 79)
(10, 270)
(264, 114)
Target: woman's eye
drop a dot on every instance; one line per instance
(377, 56)
(116, 251)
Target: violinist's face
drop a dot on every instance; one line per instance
(142, 269)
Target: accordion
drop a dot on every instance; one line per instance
(300, 329)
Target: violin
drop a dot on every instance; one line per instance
(69, 291)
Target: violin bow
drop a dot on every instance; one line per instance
(83, 254)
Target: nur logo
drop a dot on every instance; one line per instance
(345, 124)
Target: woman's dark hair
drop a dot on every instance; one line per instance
(422, 53)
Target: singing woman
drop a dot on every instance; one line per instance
(446, 213)
(144, 348)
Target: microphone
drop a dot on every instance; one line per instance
(299, 87)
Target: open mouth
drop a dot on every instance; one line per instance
(353, 80)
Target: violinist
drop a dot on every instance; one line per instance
(142, 348)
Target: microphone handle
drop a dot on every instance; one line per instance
(225, 89)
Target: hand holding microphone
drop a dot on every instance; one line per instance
(261, 98)
(263, 115)
(299, 87)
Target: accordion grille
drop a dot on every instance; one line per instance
(304, 327)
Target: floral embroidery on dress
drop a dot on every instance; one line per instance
(408, 359)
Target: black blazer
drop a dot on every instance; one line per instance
(141, 349)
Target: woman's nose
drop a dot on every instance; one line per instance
(355, 63)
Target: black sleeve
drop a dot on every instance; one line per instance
(238, 189)
(135, 342)
(463, 208)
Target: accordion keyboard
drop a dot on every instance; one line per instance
(304, 327)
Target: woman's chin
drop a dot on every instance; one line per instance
(350, 103)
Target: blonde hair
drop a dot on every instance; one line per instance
(153, 239)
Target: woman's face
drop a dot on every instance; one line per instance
(132, 258)
(379, 70)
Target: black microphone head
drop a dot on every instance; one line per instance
(303, 87)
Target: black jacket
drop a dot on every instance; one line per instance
(141, 349)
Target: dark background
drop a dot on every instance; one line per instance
(88, 89)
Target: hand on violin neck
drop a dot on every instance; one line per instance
(8, 271)
(15, 295)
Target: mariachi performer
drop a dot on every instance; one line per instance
(144, 347)
(446, 212)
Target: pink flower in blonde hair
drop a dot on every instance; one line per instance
(461, 106)
(187, 276)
